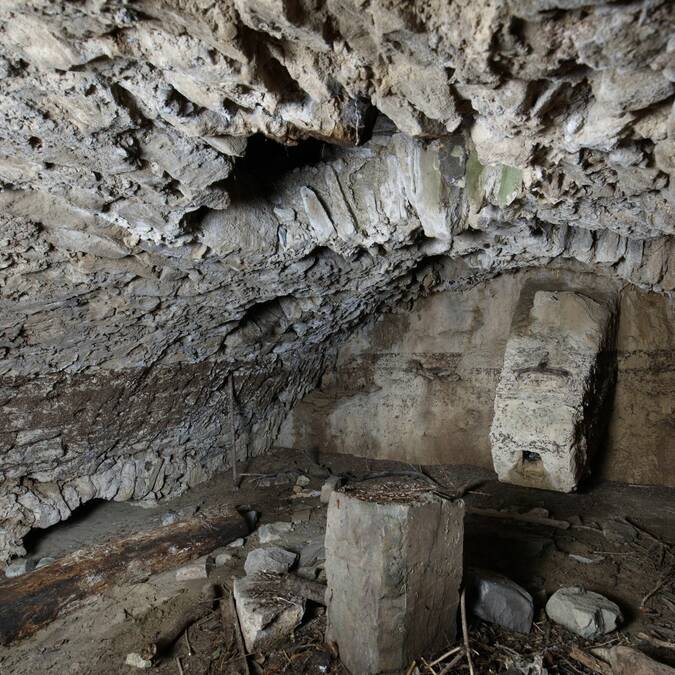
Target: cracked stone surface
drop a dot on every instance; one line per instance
(191, 190)
(556, 377)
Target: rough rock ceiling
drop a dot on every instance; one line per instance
(148, 220)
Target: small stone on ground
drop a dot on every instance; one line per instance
(273, 559)
(137, 661)
(273, 531)
(19, 567)
(497, 599)
(237, 543)
(169, 518)
(197, 569)
(583, 612)
(222, 559)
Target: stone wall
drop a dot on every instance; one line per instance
(419, 385)
(136, 434)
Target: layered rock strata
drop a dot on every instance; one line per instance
(153, 240)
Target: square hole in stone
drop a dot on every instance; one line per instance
(531, 463)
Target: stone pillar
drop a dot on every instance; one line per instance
(393, 568)
(555, 379)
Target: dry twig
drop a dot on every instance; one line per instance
(237, 632)
(465, 631)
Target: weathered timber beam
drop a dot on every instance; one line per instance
(30, 602)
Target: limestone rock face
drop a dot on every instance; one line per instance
(552, 387)
(190, 190)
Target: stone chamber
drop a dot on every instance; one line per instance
(337, 336)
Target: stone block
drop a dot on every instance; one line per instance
(393, 569)
(554, 381)
(265, 618)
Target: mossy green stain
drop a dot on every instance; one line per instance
(509, 185)
(474, 187)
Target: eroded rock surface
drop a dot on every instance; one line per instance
(556, 377)
(152, 242)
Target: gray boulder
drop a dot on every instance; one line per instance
(495, 598)
(273, 559)
(583, 612)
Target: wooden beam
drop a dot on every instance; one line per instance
(33, 600)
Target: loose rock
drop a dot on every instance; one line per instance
(19, 567)
(495, 598)
(137, 661)
(301, 514)
(273, 559)
(237, 543)
(222, 559)
(169, 518)
(197, 569)
(264, 617)
(583, 612)
(273, 531)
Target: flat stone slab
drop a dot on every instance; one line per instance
(197, 569)
(583, 612)
(496, 599)
(393, 570)
(273, 531)
(272, 559)
(265, 618)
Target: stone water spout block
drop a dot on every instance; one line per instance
(556, 377)
(393, 568)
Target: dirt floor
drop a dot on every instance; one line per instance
(618, 540)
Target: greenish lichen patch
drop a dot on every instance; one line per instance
(510, 185)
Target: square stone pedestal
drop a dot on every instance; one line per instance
(393, 568)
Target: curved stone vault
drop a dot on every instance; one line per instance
(202, 188)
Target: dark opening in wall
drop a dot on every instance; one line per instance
(532, 463)
(67, 535)
(90, 524)
(267, 160)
